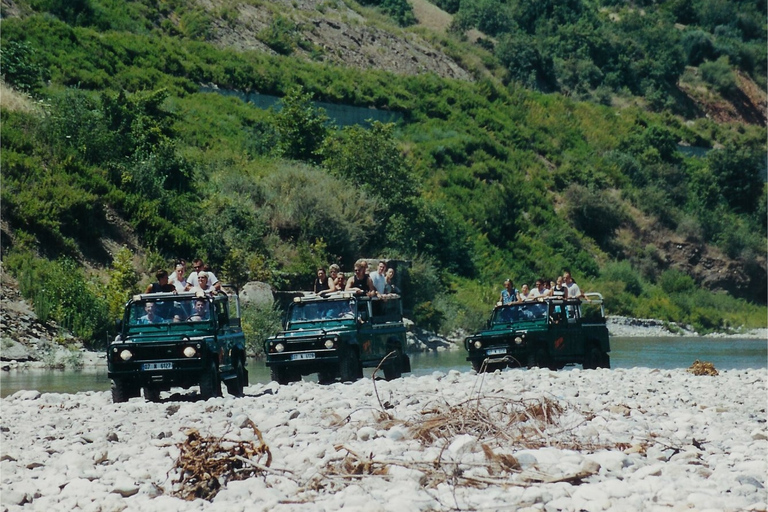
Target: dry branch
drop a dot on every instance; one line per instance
(205, 464)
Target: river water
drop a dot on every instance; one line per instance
(662, 353)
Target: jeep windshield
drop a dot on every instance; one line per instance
(321, 311)
(519, 313)
(169, 311)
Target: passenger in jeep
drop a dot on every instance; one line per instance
(162, 284)
(201, 312)
(360, 282)
(151, 316)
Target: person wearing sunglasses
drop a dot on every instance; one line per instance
(360, 282)
(198, 267)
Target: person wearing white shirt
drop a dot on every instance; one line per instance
(379, 278)
(574, 292)
(177, 279)
(539, 292)
(199, 266)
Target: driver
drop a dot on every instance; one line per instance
(201, 311)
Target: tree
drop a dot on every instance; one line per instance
(371, 159)
(301, 127)
(738, 173)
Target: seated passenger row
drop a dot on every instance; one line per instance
(200, 280)
(376, 284)
(564, 287)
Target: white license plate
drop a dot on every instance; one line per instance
(496, 351)
(299, 357)
(157, 366)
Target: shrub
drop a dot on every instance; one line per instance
(300, 126)
(719, 75)
(60, 291)
(675, 281)
(306, 204)
(260, 322)
(595, 213)
(622, 271)
(17, 61)
(123, 279)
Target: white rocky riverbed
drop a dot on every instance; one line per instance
(636, 439)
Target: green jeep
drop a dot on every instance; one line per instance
(184, 339)
(338, 335)
(549, 333)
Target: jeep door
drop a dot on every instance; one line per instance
(228, 334)
(384, 324)
(566, 337)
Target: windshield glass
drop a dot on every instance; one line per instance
(189, 309)
(520, 313)
(322, 311)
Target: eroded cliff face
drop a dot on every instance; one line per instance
(329, 32)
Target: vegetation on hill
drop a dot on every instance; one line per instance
(480, 180)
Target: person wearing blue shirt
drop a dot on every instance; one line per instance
(508, 294)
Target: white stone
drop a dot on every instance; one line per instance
(366, 433)
(462, 443)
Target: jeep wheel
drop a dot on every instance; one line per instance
(393, 369)
(477, 365)
(596, 358)
(283, 375)
(235, 386)
(349, 367)
(326, 377)
(122, 391)
(210, 386)
(151, 393)
(540, 358)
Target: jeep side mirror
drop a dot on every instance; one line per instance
(223, 320)
(119, 325)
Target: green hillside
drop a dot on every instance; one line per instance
(119, 157)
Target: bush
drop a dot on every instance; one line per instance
(60, 291)
(622, 271)
(305, 205)
(259, 323)
(17, 61)
(595, 213)
(674, 281)
(719, 75)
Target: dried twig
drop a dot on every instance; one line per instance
(205, 463)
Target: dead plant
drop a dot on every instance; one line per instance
(702, 368)
(521, 422)
(205, 464)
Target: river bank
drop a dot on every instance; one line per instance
(533, 440)
(34, 349)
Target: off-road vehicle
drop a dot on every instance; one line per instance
(549, 333)
(184, 339)
(336, 336)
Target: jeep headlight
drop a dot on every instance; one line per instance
(279, 347)
(126, 355)
(518, 340)
(478, 344)
(329, 344)
(189, 351)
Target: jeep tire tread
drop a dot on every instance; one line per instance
(596, 358)
(349, 366)
(210, 386)
(151, 393)
(123, 390)
(283, 375)
(235, 386)
(393, 369)
(540, 358)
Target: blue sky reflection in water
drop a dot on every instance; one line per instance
(662, 353)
